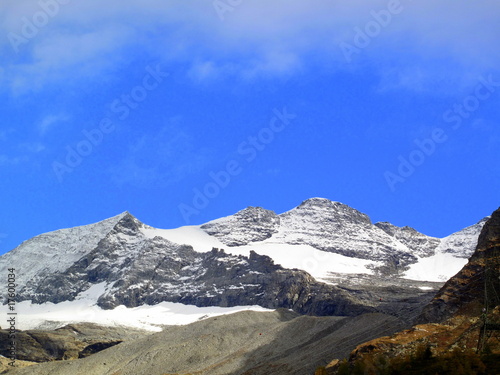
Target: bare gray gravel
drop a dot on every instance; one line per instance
(250, 343)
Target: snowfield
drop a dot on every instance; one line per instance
(85, 310)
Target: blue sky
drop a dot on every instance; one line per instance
(185, 111)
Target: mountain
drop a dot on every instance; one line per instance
(465, 292)
(335, 228)
(360, 280)
(55, 251)
(320, 258)
(452, 330)
(131, 269)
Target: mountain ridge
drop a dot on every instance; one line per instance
(70, 244)
(292, 260)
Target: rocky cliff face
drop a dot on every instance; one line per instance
(69, 342)
(123, 261)
(252, 224)
(127, 268)
(55, 251)
(420, 244)
(337, 228)
(465, 291)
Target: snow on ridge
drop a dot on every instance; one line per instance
(57, 250)
(302, 256)
(451, 255)
(297, 244)
(462, 243)
(299, 239)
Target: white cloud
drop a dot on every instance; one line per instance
(258, 38)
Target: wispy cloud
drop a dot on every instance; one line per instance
(6, 160)
(50, 122)
(258, 39)
(32, 147)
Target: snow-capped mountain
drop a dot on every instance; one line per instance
(55, 251)
(131, 269)
(336, 229)
(121, 261)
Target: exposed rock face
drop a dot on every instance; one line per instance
(133, 270)
(69, 342)
(55, 251)
(465, 291)
(123, 261)
(252, 224)
(462, 244)
(337, 228)
(418, 243)
(334, 227)
(452, 320)
(457, 333)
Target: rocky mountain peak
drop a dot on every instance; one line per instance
(417, 242)
(129, 224)
(330, 210)
(251, 224)
(318, 202)
(463, 243)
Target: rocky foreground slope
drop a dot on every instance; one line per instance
(251, 343)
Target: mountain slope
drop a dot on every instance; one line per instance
(335, 228)
(466, 290)
(448, 329)
(251, 343)
(122, 261)
(55, 251)
(134, 270)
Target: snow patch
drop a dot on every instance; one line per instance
(439, 267)
(83, 310)
(304, 257)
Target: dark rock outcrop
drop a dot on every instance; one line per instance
(69, 342)
(465, 292)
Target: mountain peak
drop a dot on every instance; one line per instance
(248, 225)
(318, 202)
(329, 210)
